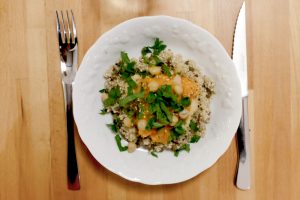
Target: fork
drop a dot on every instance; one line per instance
(68, 47)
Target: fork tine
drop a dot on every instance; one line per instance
(58, 29)
(63, 23)
(74, 28)
(69, 30)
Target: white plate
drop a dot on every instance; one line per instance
(192, 42)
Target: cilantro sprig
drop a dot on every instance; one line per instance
(113, 95)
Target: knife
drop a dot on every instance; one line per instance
(239, 57)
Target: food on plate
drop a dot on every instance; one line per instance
(159, 101)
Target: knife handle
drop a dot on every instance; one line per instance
(243, 180)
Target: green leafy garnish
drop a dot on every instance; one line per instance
(185, 147)
(143, 73)
(185, 101)
(115, 126)
(113, 95)
(154, 154)
(193, 126)
(123, 102)
(177, 130)
(158, 46)
(166, 70)
(103, 90)
(151, 97)
(195, 139)
(150, 122)
(103, 111)
(166, 111)
(118, 140)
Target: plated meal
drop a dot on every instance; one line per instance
(167, 87)
(158, 101)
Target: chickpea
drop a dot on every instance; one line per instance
(174, 120)
(131, 147)
(184, 114)
(142, 124)
(127, 122)
(154, 70)
(153, 86)
(177, 80)
(178, 89)
(104, 96)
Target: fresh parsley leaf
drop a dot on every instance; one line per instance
(150, 123)
(115, 92)
(143, 73)
(185, 101)
(109, 102)
(157, 60)
(103, 111)
(151, 97)
(131, 98)
(166, 70)
(145, 51)
(154, 154)
(158, 46)
(157, 125)
(193, 126)
(185, 147)
(161, 117)
(166, 111)
(115, 126)
(195, 139)
(177, 130)
(131, 82)
(124, 57)
(118, 141)
(103, 90)
(113, 96)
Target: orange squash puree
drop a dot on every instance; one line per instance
(146, 133)
(162, 135)
(190, 87)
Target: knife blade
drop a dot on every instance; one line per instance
(239, 57)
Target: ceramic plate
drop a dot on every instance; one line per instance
(182, 37)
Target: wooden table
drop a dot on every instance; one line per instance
(32, 122)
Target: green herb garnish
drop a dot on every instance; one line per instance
(118, 140)
(195, 139)
(185, 101)
(177, 131)
(166, 70)
(193, 126)
(113, 95)
(123, 102)
(185, 147)
(115, 126)
(103, 111)
(103, 90)
(154, 154)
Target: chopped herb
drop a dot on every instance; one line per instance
(103, 90)
(143, 73)
(115, 126)
(166, 70)
(145, 51)
(118, 140)
(176, 131)
(113, 96)
(124, 57)
(195, 139)
(150, 123)
(157, 60)
(157, 125)
(130, 98)
(193, 126)
(161, 117)
(151, 97)
(154, 154)
(158, 46)
(166, 111)
(185, 101)
(103, 111)
(185, 147)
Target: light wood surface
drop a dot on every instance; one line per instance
(32, 123)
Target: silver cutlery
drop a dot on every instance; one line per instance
(68, 48)
(239, 57)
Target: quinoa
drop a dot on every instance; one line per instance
(171, 102)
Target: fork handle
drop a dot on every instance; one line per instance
(243, 179)
(72, 168)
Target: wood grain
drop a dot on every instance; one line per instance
(32, 123)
